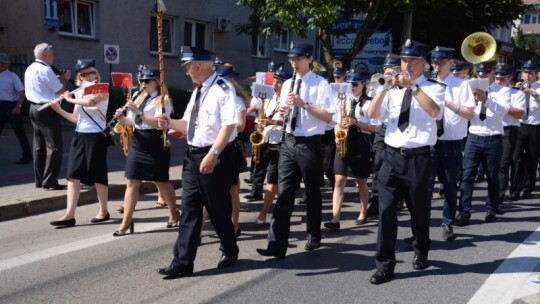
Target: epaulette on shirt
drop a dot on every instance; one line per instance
(516, 88)
(438, 82)
(222, 85)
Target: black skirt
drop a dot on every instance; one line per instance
(356, 162)
(87, 159)
(147, 160)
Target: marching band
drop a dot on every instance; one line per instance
(402, 128)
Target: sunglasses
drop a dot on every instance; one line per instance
(297, 58)
(146, 80)
(88, 73)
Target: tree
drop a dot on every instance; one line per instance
(443, 22)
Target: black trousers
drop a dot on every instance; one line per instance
(328, 153)
(403, 176)
(269, 157)
(300, 158)
(526, 157)
(212, 192)
(378, 146)
(507, 169)
(48, 145)
(6, 107)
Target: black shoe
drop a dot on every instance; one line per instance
(55, 187)
(514, 196)
(313, 242)
(447, 232)
(24, 160)
(480, 178)
(373, 209)
(175, 271)
(526, 193)
(248, 180)
(253, 197)
(498, 210)
(66, 223)
(99, 220)
(332, 226)
(420, 262)
(278, 254)
(441, 191)
(381, 276)
(226, 261)
(360, 221)
(462, 219)
(301, 201)
(490, 216)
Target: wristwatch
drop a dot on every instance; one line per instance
(215, 151)
(305, 106)
(414, 88)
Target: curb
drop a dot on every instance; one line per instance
(53, 203)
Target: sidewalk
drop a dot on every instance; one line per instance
(19, 197)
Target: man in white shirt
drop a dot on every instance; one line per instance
(308, 99)
(406, 164)
(484, 144)
(11, 100)
(447, 154)
(42, 86)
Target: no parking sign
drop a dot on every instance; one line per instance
(111, 53)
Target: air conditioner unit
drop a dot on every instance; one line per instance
(223, 24)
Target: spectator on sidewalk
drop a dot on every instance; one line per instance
(42, 86)
(11, 100)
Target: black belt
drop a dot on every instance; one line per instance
(412, 151)
(530, 125)
(36, 103)
(510, 127)
(198, 150)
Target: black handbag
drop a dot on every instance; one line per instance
(110, 139)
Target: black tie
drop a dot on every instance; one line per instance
(193, 117)
(295, 113)
(354, 102)
(440, 126)
(527, 99)
(403, 120)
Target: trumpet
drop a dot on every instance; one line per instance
(60, 98)
(379, 80)
(342, 135)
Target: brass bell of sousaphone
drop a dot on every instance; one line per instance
(478, 47)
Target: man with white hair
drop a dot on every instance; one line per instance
(42, 86)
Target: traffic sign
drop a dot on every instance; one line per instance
(111, 53)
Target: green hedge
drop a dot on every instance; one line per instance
(179, 97)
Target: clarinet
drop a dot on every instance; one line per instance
(288, 112)
(114, 119)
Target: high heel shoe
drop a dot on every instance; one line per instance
(175, 223)
(64, 223)
(131, 228)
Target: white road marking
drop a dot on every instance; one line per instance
(516, 277)
(70, 247)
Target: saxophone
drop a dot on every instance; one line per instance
(126, 132)
(342, 134)
(257, 137)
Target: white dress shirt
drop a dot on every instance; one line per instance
(217, 109)
(459, 92)
(534, 108)
(98, 113)
(497, 106)
(41, 83)
(10, 86)
(518, 102)
(315, 91)
(422, 129)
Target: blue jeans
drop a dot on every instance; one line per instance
(447, 157)
(488, 151)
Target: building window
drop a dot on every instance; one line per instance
(527, 19)
(168, 34)
(195, 34)
(281, 42)
(77, 18)
(258, 46)
(534, 19)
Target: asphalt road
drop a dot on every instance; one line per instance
(85, 264)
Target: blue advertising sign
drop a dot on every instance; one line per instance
(372, 56)
(51, 13)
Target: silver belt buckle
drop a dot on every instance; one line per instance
(403, 151)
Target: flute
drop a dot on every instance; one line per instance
(288, 113)
(60, 98)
